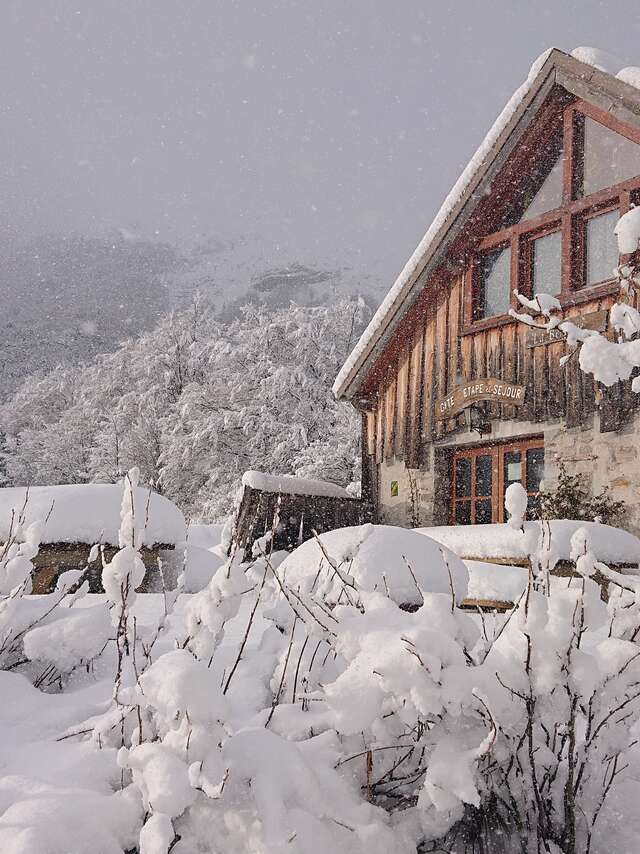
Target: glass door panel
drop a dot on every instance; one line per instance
(463, 513)
(463, 477)
(483, 504)
(482, 475)
(484, 512)
(535, 474)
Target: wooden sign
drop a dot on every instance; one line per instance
(498, 391)
(596, 320)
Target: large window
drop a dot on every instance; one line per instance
(492, 288)
(545, 265)
(555, 235)
(480, 477)
(600, 250)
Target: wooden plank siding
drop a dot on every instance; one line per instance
(402, 397)
(438, 352)
(416, 385)
(390, 417)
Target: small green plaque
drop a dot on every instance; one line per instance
(394, 488)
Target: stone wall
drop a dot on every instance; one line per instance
(605, 459)
(422, 494)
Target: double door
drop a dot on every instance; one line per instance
(480, 476)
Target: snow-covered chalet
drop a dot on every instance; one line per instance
(458, 399)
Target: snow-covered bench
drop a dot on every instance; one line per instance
(496, 557)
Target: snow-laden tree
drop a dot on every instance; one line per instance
(193, 404)
(608, 357)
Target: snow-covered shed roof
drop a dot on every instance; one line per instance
(90, 513)
(289, 485)
(588, 73)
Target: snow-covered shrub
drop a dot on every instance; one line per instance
(571, 499)
(336, 699)
(561, 684)
(608, 361)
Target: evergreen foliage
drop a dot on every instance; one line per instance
(572, 499)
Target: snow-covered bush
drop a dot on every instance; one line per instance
(608, 361)
(571, 499)
(16, 569)
(336, 699)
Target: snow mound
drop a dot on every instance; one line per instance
(598, 58)
(204, 536)
(610, 545)
(608, 63)
(630, 75)
(376, 558)
(200, 567)
(90, 513)
(627, 231)
(292, 485)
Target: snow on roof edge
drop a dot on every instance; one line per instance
(445, 210)
(290, 485)
(590, 56)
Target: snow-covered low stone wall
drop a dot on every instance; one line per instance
(606, 460)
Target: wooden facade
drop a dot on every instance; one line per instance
(440, 346)
(292, 518)
(439, 354)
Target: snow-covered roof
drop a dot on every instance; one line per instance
(90, 513)
(501, 542)
(391, 308)
(289, 485)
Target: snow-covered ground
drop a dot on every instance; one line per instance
(332, 699)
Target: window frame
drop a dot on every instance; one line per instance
(569, 219)
(478, 294)
(580, 238)
(525, 273)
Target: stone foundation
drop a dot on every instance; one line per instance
(605, 460)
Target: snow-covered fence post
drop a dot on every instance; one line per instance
(120, 578)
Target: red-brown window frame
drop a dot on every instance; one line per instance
(568, 219)
(496, 452)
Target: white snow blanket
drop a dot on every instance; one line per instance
(495, 582)
(290, 485)
(204, 536)
(377, 558)
(610, 545)
(90, 513)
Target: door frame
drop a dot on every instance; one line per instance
(496, 450)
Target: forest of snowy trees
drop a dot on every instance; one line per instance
(194, 403)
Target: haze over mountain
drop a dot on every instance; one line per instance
(65, 299)
(264, 151)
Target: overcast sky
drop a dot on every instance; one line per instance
(328, 131)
